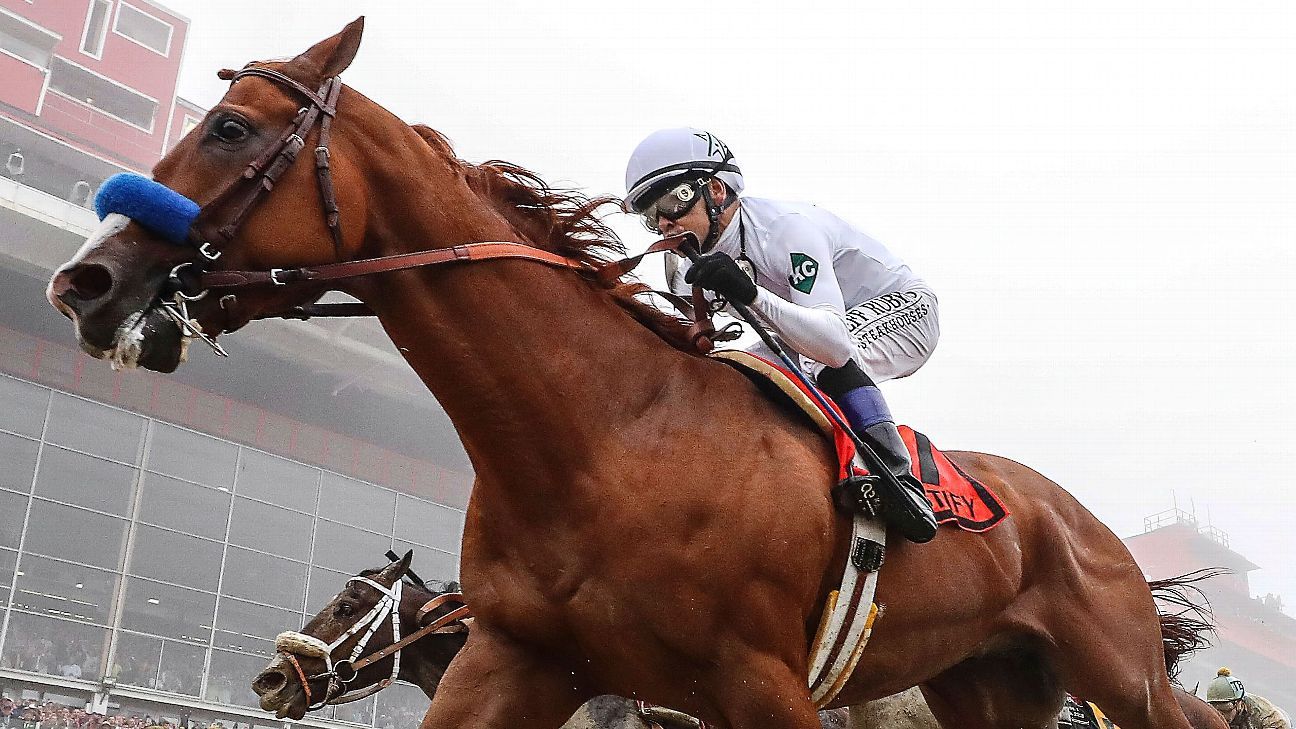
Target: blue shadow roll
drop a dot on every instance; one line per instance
(151, 204)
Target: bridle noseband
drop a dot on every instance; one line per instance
(339, 674)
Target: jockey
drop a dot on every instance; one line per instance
(1240, 709)
(853, 311)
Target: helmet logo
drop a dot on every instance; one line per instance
(715, 147)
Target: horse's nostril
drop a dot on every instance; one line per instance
(268, 682)
(88, 282)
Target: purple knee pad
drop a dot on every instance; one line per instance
(864, 407)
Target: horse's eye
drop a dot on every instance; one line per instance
(344, 609)
(231, 130)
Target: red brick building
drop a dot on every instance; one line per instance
(1255, 639)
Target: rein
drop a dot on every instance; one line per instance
(292, 645)
(194, 280)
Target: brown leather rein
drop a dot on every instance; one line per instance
(264, 171)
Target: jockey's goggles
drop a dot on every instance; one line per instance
(673, 204)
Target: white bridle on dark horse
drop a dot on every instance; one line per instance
(292, 644)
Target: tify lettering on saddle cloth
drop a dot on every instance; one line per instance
(955, 496)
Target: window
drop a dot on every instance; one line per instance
(24, 407)
(19, 458)
(423, 522)
(168, 611)
(252, 628)
(255, 621)
(356, 503)
(136, 660)
(183, 506)
(87, 481)
(401, 705)
(143, 28)
(65, 590)
(96, 28)
(348, 549)
(360, 712)
(75, 534)
(278, 481)
(182, 666)
(173, 557)
(59, 647)
(8, 560)
(270, 529)
(13, 509)
(263, 578)
(97, 92)
(26, 40)
(192, 456)
(324, 586)
(95, 429)
(430, 564)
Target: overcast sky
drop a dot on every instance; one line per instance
(1102, 196)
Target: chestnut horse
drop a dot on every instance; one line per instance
(423, 661)
(644, 522)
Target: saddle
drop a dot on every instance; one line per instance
(956, 498)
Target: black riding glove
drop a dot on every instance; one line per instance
(719, 273)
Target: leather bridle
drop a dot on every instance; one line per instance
(293, 645)
(210, 235)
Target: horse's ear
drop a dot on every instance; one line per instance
(393, 572)
(333, 55)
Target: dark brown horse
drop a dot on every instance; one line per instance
(423, 661)
(643, 522)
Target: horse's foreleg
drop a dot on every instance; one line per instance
(763, 693)
(495, 684)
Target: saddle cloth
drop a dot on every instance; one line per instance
(956, 498)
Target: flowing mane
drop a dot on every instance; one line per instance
(562, 221)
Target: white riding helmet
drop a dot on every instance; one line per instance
(668, 154)
(1225, 687)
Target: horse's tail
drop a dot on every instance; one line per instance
(1185, 613)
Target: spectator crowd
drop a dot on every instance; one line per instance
(79, 657)
(50, 715)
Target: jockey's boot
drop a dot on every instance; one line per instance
(870, 418)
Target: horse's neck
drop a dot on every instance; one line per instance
(532, 364)
(424, 661)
